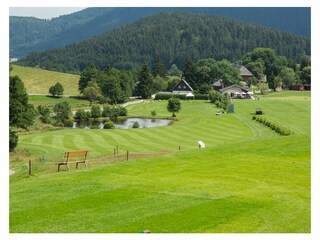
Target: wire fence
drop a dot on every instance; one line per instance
(39, 166)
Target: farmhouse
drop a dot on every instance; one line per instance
(244, 73)
(182, 87)
(236, 91)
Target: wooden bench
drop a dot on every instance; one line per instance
(80, 156)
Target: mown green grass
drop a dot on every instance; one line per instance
(247, 179)
(38, 81)
(51, 101)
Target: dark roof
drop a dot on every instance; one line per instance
(243, 70)
(183, 82)
(234, 86)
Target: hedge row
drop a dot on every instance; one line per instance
(163, 96)
(277, 128)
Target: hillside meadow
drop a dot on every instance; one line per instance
(38, 81)
(247, 179)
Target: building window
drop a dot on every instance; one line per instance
(179, 86)
(184, 87)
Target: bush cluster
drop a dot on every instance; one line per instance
(114, 112)
(277, 128)
(198, 96)
(109, 125)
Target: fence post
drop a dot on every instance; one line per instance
(117, 149)
(30, 168)
(179, 148)
(114, 151)
(127, 155)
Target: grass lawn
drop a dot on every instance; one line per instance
(247, 179)
(38, 81)
(51, 101)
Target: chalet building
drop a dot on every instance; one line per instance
(236, 91)
(182, 87)
(244, 73)
(217, 85)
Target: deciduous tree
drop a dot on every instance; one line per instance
(174, 106)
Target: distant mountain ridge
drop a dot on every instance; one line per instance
(30, 34)
(174, 36)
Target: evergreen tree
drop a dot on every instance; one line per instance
(189, 72)
(144, 87)
(159, 68)
(111, 87)
(21, 113)
(89, 74)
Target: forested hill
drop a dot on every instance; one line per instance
(174, 37)
(30, 34)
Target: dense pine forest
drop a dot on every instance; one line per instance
(173, 36)
(28, 34)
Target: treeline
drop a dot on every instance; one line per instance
(174, 37)
(111, 85)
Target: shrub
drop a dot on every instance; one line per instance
(67, 123)
(135, 125)
(163, 96)
(201, 96)
(81, 115)
(95, 111)
(13, 140)
(153, 113)
(109, 125)
(279, 129)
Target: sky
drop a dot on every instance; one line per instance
(42, 12)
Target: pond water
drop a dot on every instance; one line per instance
(126, 123)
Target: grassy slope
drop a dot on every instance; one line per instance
(38, 81)
(248, 179)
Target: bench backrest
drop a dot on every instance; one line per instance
(76, 154)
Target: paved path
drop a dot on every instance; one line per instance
(11, 172)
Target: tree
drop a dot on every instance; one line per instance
(172, 82)
(287, 78)
(305, 61)
(92, 92)
(21, 113)
(144, 87)
(159, 68)
(205, 88)
(44, 114)
(81, 115)
(189, 72)
(159, 84)
(62, 111)
(111, 87)
(56, 90)
(174, 106)
(175, 71)
(226, 71)
(272, 63)
(306, 75)
(95, 111)
(262, 87)
(89, 74)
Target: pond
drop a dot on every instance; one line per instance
(125, 123)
